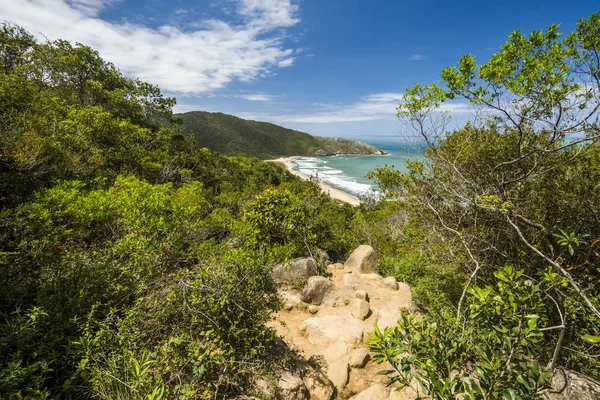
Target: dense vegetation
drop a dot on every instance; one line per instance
(232, 135)
(511, 202)
(132, 263)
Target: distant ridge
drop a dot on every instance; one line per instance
(226, 133)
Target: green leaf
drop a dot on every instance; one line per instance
(591, 338)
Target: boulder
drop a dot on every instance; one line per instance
(351, 280)
(292, 387)
(567, 384)
(371, 277)
(319, 386)
(296, 272)
(337, 372)
(361, 294)
(332, 329)
(358, 358)
(362, 260)
(360, 309)
(390, 283)
(338, 299)
(313, 309)
(374, 392)
(336, 351)
(265, 387)
(315, 290)
(291, 297)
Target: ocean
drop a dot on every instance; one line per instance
(347, 172)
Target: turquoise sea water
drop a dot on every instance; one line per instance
(347, 172)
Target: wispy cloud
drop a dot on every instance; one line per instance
(90, 8)
(369, 108)
(186, 62)
(256, 97)
(378, 106)
(417, 57)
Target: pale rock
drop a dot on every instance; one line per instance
(362, 260)
(332, 329)
(291, 387)
(265, 387)
(319, 386)
(371, 277)
(361, 294)
(375, 392)
(359, 380)
(407, 393)
(315, 290)
(351, 280)
(291, 297)
(360, 309)
(338, 374)
(358, 358)
(295, 272)
(302, 305)
(338, 299)
(336, 351)
(288, 306)
(390, 283)
(567, 384)
(313, 309)
(335, 266)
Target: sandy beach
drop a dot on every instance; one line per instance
(333, 192)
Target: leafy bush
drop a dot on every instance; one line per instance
(488, 356)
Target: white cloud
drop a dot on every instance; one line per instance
(90, 7)
(416, 57)
(194, 62)
(286, 63)
(256, 97)
(378, 106)
(264, 14)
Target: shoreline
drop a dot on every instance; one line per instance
(333, 192)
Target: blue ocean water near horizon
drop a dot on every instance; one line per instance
(347, 172)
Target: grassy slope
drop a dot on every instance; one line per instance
(229, 134)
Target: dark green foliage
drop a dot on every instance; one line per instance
(132, 263)
(232, 135)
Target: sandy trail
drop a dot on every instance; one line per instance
(333, 192)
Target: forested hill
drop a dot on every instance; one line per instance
(226, 133)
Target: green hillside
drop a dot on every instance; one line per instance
(229, 134)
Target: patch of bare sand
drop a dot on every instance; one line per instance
(385, 305)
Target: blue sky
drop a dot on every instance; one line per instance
(327, 67)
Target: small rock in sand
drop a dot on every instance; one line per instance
(361, 294)
(390, 283)
(358, 358)
(338, 374)
(315, 289)
(360, 309)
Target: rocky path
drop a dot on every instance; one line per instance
(330, 318)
